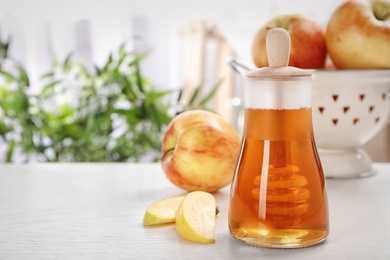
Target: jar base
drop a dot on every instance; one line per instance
(281, 238)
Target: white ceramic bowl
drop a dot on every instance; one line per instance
(349, 108)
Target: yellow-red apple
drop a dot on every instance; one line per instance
(358, 35)
(200, 151)
(308, 49)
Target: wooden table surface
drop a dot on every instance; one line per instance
(95, 211)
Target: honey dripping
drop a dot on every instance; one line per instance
(278, 195)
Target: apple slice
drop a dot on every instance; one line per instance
(195, 217)
(162, 211)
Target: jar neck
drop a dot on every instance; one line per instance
(278, 94)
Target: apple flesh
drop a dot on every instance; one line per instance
(195, 217)
(200, 151)
(358, 35)
(308, 49)
(162, 211)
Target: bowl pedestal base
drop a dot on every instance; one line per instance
(345, 163)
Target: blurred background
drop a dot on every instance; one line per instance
(43, 28)
(177, 50)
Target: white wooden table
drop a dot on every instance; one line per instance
(95, 211)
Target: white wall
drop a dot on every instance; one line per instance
(42, 28)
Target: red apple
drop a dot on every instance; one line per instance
(308, 49)
(358, 35)
(200, 151)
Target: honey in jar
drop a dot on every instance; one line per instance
(278, 194)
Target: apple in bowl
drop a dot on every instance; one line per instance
(358, 35)
(308, 49)
(200, 151)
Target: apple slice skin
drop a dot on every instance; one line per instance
(162, 211)
(195, 217)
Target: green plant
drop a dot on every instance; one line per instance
(111, 113)
(14, 104)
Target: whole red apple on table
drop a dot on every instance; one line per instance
(308, 49)
(200, 151)
(358, 35)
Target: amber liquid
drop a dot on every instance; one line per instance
(278, 197)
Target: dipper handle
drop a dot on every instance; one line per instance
(278, 46)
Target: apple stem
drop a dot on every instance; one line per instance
(166, 152)
(380, 10)
(382, 16)
(386, 16)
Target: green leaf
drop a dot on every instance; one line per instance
(67, 63)
(123, 54)
(4, 49)
(194, 95)
(154, 95)
(128, 91)
(55, 62)
(138, 59)
(47, 75)
(4, 129)
(83, 71)
(48, 87)
(138, 79)
(108, 63)
(9, 77)
(211, 94)
(10, 151)
(98, 71)
(21, 100)
(90, 122)
(23, 78)
(122, 49)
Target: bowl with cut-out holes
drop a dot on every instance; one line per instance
(349, 108)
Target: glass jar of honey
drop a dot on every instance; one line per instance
(278, 194)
